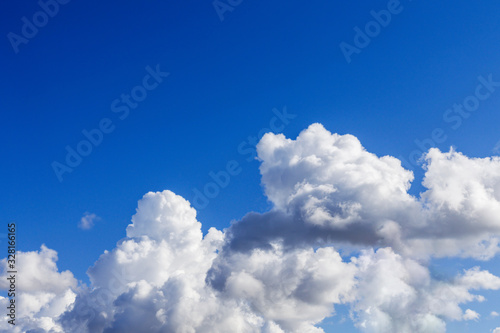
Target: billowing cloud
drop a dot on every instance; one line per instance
(397, 294)
(282, 271)
(42, 294)
(330, 185)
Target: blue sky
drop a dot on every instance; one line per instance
(225, 79)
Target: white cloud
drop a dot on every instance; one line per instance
(43, 293)
(397, 294)
(329, 182)
(164, 264)
(281, 271)
(471, 315)
(294, 289)
(463, 205)
(476, 279)
(496, 330)
(88, 220)
(494, 314)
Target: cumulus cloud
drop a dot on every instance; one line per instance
(330, 184)
(282, 271)
(43, 293)
(294, 289)
(398, 294)
(88, 220)
(462, 205)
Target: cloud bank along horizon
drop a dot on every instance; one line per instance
(281, 271)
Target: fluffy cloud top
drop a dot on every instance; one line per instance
(331, 183)
(281, 271)
(44, 292)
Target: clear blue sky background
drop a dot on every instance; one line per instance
(225, 79)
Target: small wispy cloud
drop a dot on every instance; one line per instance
(88, 220)
(471, 315)
(496, 149)
(494, 314)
